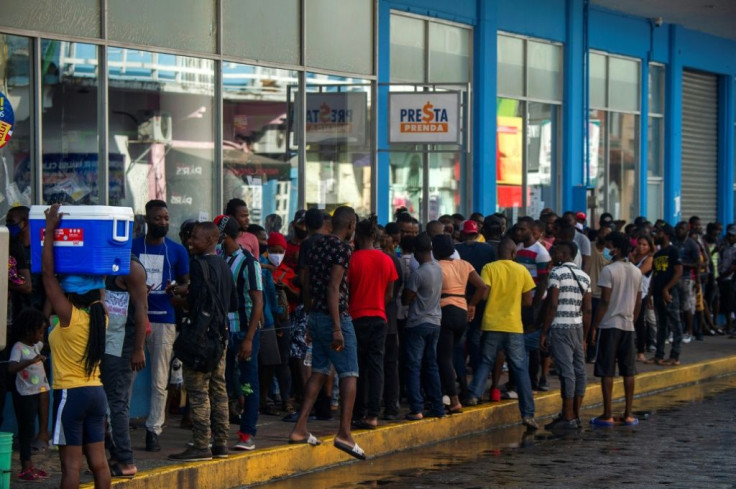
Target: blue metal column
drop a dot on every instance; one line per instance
(384, 212)
(726, 107)
(673, 132)
(484, 108)
(573, 120)
(644, 139)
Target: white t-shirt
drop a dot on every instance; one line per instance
(624, 280)
(32, 379)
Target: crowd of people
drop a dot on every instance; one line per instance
(334, 309)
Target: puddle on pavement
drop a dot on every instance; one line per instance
(451, 462)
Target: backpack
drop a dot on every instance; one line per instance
(204, 333)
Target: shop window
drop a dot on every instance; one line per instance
(15, 155)
(161, 129)
(339, 35)
(544, 74)
(510, 66)
(72, 17)
(623, 82)
(262, 30)
(407, 49)
(598, 79)
(449, 53)
(258, 165)
(70, 137)
(655, 157)
(165, 23)
(339, 160)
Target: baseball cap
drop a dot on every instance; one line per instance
(277, 239)
(299, 216)
(580, 216)
(470, 227)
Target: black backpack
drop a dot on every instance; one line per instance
(204, 333)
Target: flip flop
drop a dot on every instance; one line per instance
(309, 440)
(354, 451)
(633, 422)
(600, 423)
(116, 471)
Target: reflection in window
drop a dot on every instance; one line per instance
(258, 168)
(70, 144)
(15, 79)
(510, 155)
(162, 133)
(338, 153)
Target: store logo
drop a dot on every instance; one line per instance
(427, 120)
(328, 119)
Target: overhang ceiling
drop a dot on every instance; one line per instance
(716, 17)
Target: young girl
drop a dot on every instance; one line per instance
(26, 362)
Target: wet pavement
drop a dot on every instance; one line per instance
(272, 431)
(684, 440)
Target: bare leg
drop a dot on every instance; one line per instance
(606, 390)
(97, 462)
(348, 387)
(315, 383)
(577, 404)
(71, 464)
(43, 417)
(629, 384)
(568, 409)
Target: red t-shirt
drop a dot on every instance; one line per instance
(369, 274)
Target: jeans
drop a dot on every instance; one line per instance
(117, 377)
(391, 375)
(371, 335)
(531, 344)
(208, 405)
(668, 320)
(454, 322)
(513, 344)
(248, 386)
(566, 347)
(160, 345)
(421, 351)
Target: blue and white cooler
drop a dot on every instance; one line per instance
(90, 240)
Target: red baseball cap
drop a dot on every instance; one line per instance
(276, 239)
(470, 227)
(580, 216)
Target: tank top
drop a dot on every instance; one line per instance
(120, 335)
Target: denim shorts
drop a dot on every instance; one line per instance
(345, 361)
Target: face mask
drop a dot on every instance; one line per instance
(607, 254)
(14, 230)
(276, 258)
(262, 248)
(155, 231)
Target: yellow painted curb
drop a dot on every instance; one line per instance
(286, 460)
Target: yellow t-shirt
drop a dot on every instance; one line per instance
(508, 280)
(68, 347)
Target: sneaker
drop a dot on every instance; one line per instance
(543, 384)
(686, 338)
(192, 454)
(152, 444)
(245, 442)
(579, 423)
(41, 473)
(220, 451)
(530, 423)
(470, 401)
(510, 395)
(190, 443)
(495, 395)
(562, 424)
(29, 475)
(652, 349)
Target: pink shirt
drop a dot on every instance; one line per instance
(249, 242)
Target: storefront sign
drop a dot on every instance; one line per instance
(428, 118)
(7, 119)
(336, 118)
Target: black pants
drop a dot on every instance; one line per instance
(454, 322)
(282, 371)
(391, 375)
(371, 335)
(26, 409)
(641, 329)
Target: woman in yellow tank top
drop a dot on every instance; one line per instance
(77, 347)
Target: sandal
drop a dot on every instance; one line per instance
(116, 471)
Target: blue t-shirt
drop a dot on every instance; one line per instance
(163, 262)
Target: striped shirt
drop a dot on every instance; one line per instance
(247, 276)
(569, 312)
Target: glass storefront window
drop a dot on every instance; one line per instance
(15, 156)
(72, 17)
(338, 151)
(407, 49)
(162, 133)
(449, 53)
(623, 84)
(544, 74)
(656, 150)
(510, 156)
(597, 80)
(258, 166)
(406, 177)
(656, 89)
(622, 177)
(70, 142)
(597, 130)
(510, 66)
(543, 126)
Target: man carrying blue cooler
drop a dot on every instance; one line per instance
(164, 261)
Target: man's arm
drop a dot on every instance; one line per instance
(587, 313)
(602, 308)
(526, 298)
(246, 346)
(333, 305)
(637, 306)
(135, 282)
(675, 278)
(26, 287)
(304, 281)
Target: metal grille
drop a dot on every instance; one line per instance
(699, 146)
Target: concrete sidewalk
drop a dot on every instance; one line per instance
(273, 458)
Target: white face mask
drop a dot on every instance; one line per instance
(276, 258)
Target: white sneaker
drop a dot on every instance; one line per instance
(669, 339)
(686, 338)
(510, 395)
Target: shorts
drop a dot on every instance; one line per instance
(686, 287)
(79, 416)
(344, 361)
(615, 345)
